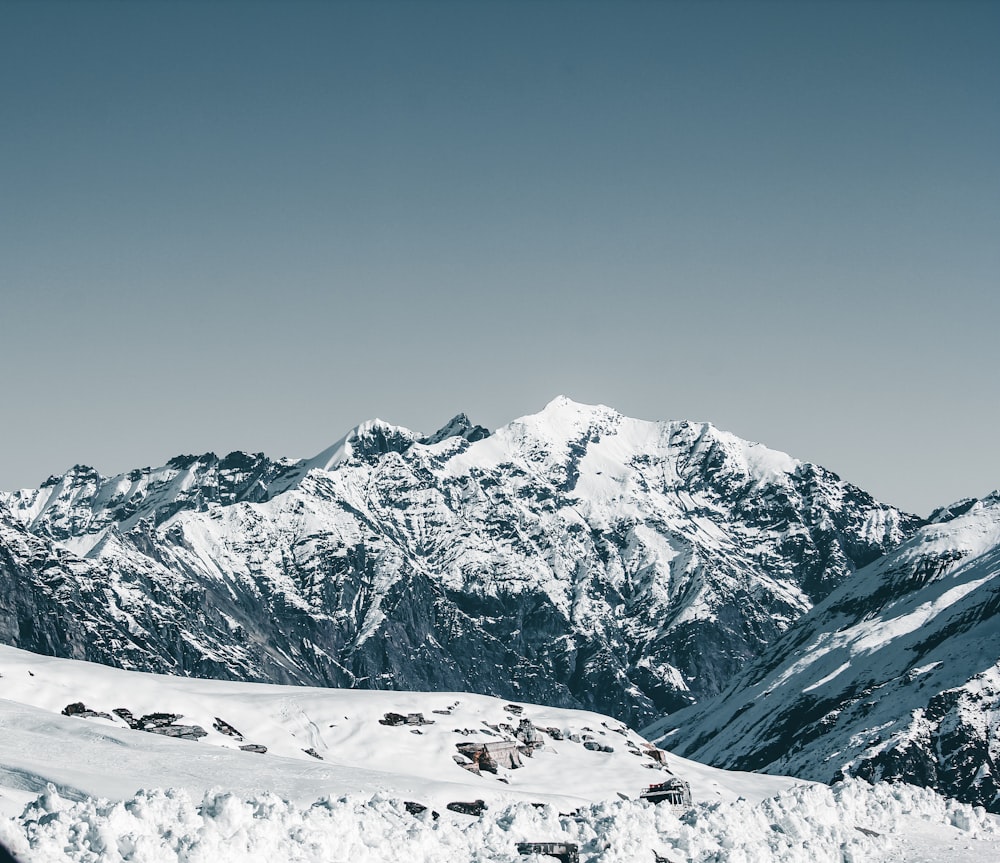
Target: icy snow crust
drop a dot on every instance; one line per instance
(223, 805)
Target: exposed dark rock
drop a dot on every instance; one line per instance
(126, 714)
(461, 426)
(474, 808)
(224, 727)
(254, 747)
(182, 732)
(152, 721)
(79, 710)
(418, 809)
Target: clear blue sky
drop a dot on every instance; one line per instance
(239, 225)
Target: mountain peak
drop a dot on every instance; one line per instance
(565, 405)
(564, 418)
(458, 426)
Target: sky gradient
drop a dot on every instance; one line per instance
(253, 225)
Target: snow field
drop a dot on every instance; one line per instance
(806, 824)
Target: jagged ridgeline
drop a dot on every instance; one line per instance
(575, 557)
(895, 675)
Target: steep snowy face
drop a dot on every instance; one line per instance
(575, 557)
(895, 675)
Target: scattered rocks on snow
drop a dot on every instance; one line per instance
(254, 747)
(79, 709)
(395, 719)
(164, 724)
(313, 753)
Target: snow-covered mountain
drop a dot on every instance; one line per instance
(575, 557)
(895, 675)
(381, 776)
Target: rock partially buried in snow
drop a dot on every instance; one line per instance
(224, 727)
(79, 709)
(475, 808)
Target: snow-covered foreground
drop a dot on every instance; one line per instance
(850, 823)
(223, 804)
(357, 754)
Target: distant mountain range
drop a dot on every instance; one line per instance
(575, 557)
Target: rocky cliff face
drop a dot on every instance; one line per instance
(575, 557)
(895, 675)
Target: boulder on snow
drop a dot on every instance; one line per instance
(181, 732)
(418, 809)
(78, 708)
(475, 808)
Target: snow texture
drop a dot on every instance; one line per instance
(851, 823)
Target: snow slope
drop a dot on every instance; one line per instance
(222, 804)
(356, 752)
(895, 675)
(574, 557)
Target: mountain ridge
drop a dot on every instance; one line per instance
(894, 675)
(574, 556)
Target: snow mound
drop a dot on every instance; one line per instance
(851, 822)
